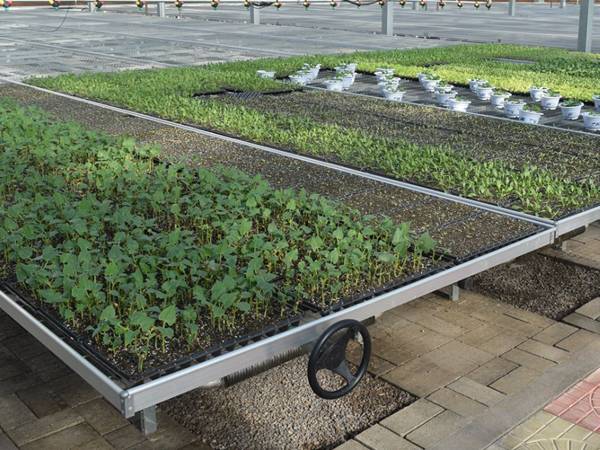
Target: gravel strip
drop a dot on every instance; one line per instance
(541, 284)
(255, 413)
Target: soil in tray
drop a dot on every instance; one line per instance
(541, 284)
(563, 153)
(278, 410)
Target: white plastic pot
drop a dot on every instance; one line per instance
(314, 72)
(430, 85)
(532, 117)
(299, 79)
(537, 93)
(334, 85)
(458, 105)
(348, 81)
(550, 103)
(596, 99)
(485, 93)
(571, 112)
(474, 84)
(395, 96)
(591, 121)
(512, 109)
(442, 98)
(265, 74)
(498, 100)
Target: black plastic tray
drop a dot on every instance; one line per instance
(82, 345)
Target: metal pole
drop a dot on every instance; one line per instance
(512, 8)
(160, 8)
(91, 7)
(414, 5)
(387, 18)
(563, 3)
(254, 15)
(586, 18)
(146, 420)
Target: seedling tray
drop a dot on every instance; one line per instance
(90, 352)
(445, 264)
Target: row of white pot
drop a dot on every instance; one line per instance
(345, 75)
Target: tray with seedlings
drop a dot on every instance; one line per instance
(453, 224)
(540, 175)
(149, 264)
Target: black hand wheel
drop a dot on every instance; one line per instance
(329, 353)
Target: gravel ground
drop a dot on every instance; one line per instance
(541, 284)
(278, 410)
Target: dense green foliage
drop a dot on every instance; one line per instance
(512, 67)
(170, 93)
(152, 258)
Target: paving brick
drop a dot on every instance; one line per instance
(439, 325)
(45, 426)
(377, 365)
(6, 443)
(11, 367)
(380, 438)
(458, 318)
(101, 416)
(583, 322)
(420, 377)
(352, 445)
(411, 417)
(544, 350)
(13, 412)
(578, 340)
(96, 444)
(515, 381)
(491, 371)
(74, 390)
(476, 391)
(435, 429)
(590, 309)
(41, 400)
(529, 317)
(480, 335)
(24, 346)
(14, 384)
(70, 438)
(125, 437)
(555, 333)
(501, 343)
(527, 359)
(456, 402)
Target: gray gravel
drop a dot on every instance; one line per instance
(541, 284)
(278, 410)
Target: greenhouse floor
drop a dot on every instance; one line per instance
(483, 371)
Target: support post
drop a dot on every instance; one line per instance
(146, 421)
(586, 19)
(254, 15)
(414, 5)
(452, 292)
(91, 8)
(160, 8)
(563, 3)
(512, 8)
(387, 18)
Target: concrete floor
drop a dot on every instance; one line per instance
(43, 41)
